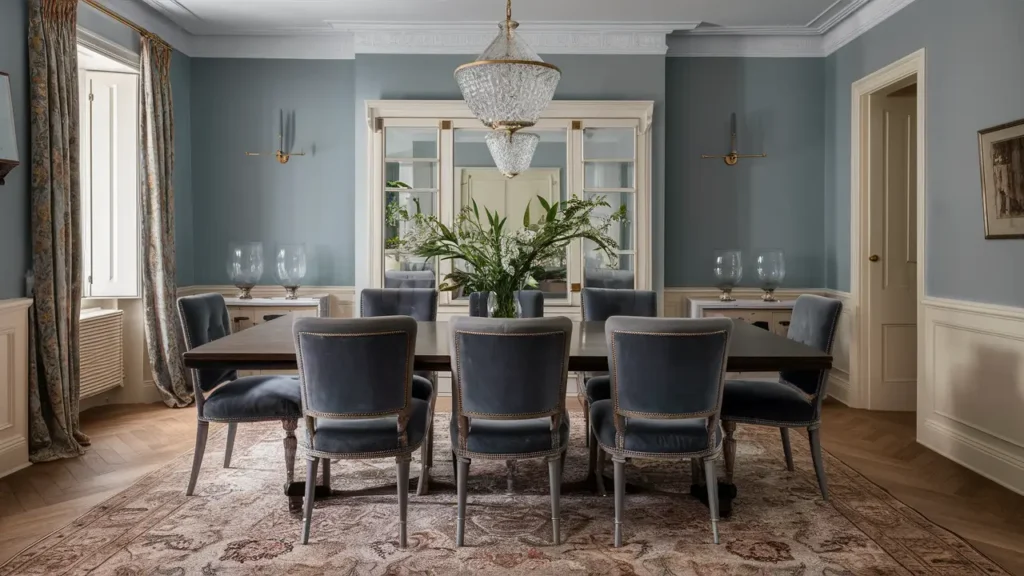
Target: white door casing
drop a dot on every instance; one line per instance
(892, 268)
(508, 197)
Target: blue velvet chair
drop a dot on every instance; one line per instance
(794, 401)
(221, 396)
(409, 279)
(509, 379)
(531, 302)
(356, 382)
(421, 305)
(600, 304)
(667, 377)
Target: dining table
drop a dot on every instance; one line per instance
(270, 346)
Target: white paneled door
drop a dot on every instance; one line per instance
(510, 197)
(892, 263)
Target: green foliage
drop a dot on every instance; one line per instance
(490, 258)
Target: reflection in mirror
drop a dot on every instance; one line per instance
(410, 188)
(477, 179)
(8, 140)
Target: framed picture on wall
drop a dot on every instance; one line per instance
(1002, 179)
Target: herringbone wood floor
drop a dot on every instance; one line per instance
(130, 441)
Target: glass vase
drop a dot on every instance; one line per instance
(728, 272)
(245, 266)
(291, 268)
(771, 271)
(503, 304)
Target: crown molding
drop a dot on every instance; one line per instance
(151, 19)
(545, 38)
(873, 13)
(836, 28)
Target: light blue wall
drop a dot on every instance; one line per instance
(975, 80)
(15, 250)
(236, 107)
(775, 202)
(181, 88)
(583, 78)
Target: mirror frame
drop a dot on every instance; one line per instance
(8, 164)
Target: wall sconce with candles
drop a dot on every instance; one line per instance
(733, 157)
(8, 139)
(287, 125)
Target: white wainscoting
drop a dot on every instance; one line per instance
(970, 398)
(840, 377)
(13, 384)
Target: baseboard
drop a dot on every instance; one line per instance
(969, 402)
(13, 456)
(145, 393)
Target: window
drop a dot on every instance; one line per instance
(109, 134)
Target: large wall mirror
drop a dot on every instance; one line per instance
(8, 139)
(432, 158)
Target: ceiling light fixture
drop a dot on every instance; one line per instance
(508, 87)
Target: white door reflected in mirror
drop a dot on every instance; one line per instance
(8, 139)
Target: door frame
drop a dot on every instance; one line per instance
(861, 92)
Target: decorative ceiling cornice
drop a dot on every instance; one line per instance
(843, 21)
(545, 38)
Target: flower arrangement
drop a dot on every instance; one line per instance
(500, 260)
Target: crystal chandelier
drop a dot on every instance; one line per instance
(512, 151)
(508, 87)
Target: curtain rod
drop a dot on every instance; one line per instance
(108, 12)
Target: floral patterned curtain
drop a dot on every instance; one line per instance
(56, 232)
(163, 330)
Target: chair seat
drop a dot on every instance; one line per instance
(371, 435)
(599, 388)
(255, 398)
(766, 401)
(421, 387)
(652, 436)
(511, 437)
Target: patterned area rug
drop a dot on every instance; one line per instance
(238, 522)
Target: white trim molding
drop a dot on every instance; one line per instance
(545, 38)
(910, 66)
(971, 392)
(837, 25)
(14, 384)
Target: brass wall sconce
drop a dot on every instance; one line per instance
(733, 157)
(279, 154)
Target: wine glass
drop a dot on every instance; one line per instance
(771, 271)
(245, 266)
(291, 268)
(728, 272)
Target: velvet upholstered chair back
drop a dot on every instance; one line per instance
(510, 369)
(667, 367)
(418, 303)
(600, 304)
(204, 318)
(531, 302)
(814, 323)
(355, 367)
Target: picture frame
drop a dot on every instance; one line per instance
(1001, 154)
(9, 158)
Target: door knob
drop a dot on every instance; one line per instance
(873, 258)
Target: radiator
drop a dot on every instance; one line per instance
(101, 350)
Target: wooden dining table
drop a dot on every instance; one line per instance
(270, 346)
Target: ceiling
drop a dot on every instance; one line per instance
(289, 17)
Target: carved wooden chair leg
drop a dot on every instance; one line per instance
(712, 481)
(600, 471)
(620, 496)
(814, 435)
(202, 432)
(403, 462)
(460, 522)
(291, 445)
(232, 427)
(424, 482)
(730, 449)
(787, 448)
(555, 480)
(326, 482)
(510, 474)
(307, 507)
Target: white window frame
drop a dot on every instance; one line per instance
(574, 115)
(123, 254)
